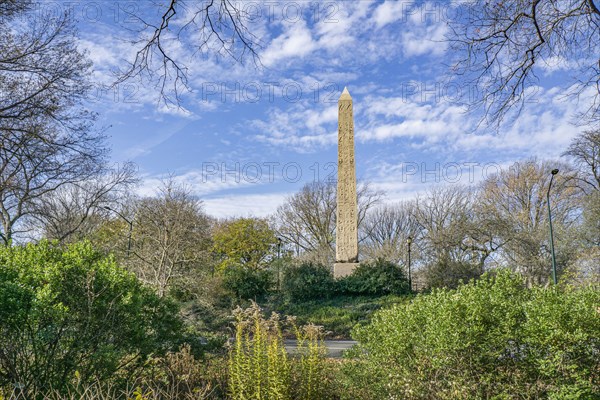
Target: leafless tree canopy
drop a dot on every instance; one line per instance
(43, 76)
(585, 150)
(77, 210)
(8, 8)
(307, 219)
(385, 231)
(460, 231)
(503, 42)
(207, 27)
(514, 204)
(450, 228)
(46, 137)
(590, 228)
(171, 235)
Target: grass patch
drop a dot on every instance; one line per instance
(337, 315)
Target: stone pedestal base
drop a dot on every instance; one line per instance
(343, 269)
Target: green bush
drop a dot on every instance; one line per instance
(448, 273)
(73, 312)
(379, 277)
(247, 283)
(493, 338)
(307, 281)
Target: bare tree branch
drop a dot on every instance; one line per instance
(46, 137)
(585, 150)
(219, 27)
(307, 219)
(171, 235)
(385, 231)
(76, 210)
(515, 209)
(504, 43)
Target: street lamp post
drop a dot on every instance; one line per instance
(279, 264)
(130, 227)
(409, 242)
(554, 172)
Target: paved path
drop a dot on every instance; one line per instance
(335, 348)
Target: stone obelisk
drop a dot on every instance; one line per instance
(346, 242)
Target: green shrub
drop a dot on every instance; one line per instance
(379, 277)
(247, 283)
(492, 338)
(448, 273)
(73, 312)
(307, 281)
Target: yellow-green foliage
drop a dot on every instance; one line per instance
(261, 369)
(311, 382)
(258, 364)
(244, 242)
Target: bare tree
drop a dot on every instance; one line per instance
(34, 165)
(514, 202)
(171, 236)
(503, 43)
(454, 240)
(219, 27)
(585, 151)
(590, 226)
(10, 7)
(443, 215)
(77, 210)
(43, 75)
(46, 139)
(307, 219)
(585, 270)
(385, 231)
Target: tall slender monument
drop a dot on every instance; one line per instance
(346, 243)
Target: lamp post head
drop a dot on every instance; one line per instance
(409, 240)
(554, 171)
(107, 208)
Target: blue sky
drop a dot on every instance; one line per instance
(247, 137)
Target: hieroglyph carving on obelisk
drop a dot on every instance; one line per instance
(346, 250)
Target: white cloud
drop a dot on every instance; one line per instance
(556, 63)
(394, 117)
(257, 205)
(425, 40)
(342, 24)
(300, 129)
(207, 182)
(410, 128)
(174, 110)
(391, 11)
(543, 129)
(295, 41)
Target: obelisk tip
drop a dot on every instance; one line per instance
(345, 94)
